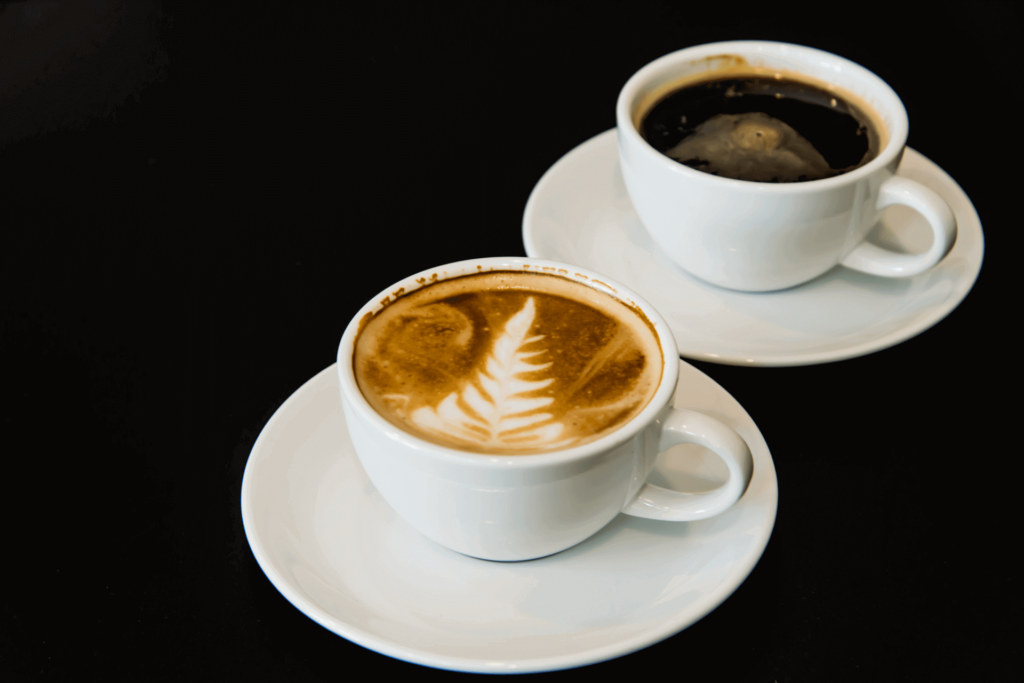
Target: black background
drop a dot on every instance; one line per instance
(197, 197)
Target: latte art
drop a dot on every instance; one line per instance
(508, 363)
(503, 411)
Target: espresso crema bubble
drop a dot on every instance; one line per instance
(508, 363)
(762, 129)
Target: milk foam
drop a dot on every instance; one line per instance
(508, 363)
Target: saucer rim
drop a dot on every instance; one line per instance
(691, 615)
(962, 288)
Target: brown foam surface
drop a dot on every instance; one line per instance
(508, 363)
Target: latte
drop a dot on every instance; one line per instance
(508, 362)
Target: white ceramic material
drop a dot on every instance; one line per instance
(580, 213)
(501, 507)
(337, 551)
(754, 236)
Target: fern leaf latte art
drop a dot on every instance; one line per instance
(508, 363)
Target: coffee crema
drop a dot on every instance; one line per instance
(508, 362)
(761, 128)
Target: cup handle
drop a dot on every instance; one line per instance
(869, 258)
(687, 426)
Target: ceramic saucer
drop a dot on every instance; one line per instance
(580, 213)
(337, 551)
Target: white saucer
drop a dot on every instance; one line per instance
(337, 551)
(580, 213)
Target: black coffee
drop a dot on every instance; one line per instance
(761, 129)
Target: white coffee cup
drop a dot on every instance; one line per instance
(756, 236)
(519, 507)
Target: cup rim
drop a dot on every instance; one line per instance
(662, 397)
(897, 136)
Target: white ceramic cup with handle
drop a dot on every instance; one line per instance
(759, 236)
(520, 507)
